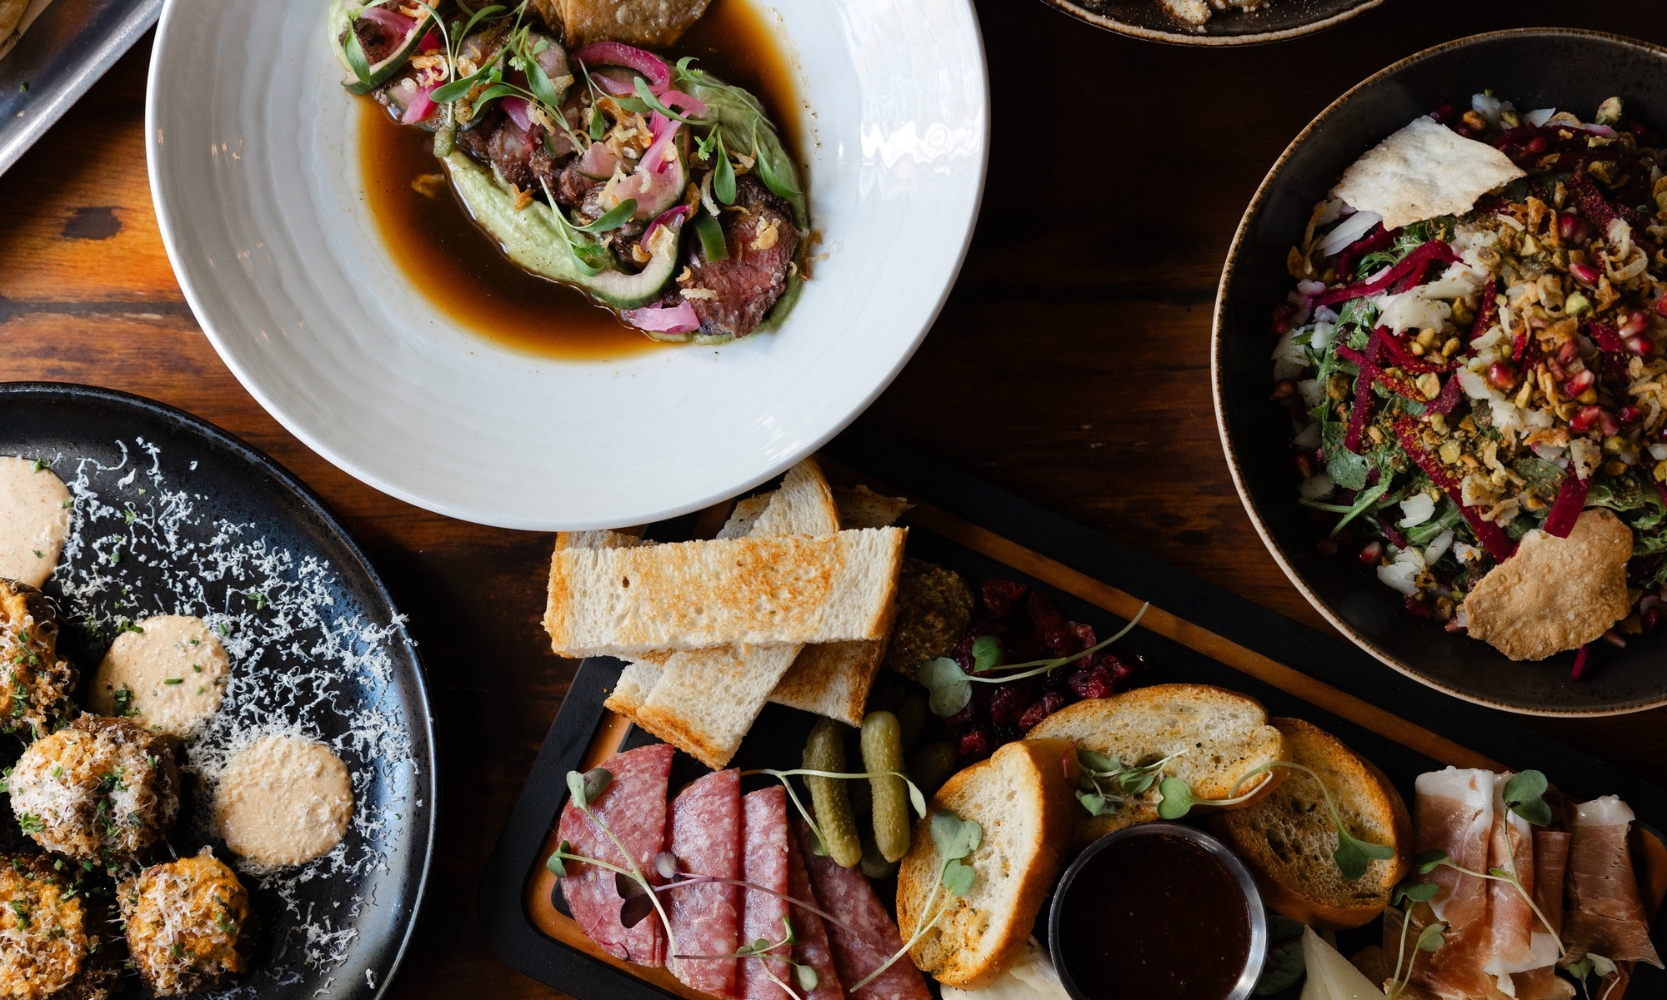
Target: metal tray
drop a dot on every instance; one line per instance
(67, 49)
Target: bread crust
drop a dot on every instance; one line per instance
(1370, 790)
(954, 952)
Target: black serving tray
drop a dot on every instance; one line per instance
(1194, 632)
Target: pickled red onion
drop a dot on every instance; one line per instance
(651, 66)
(679, 101)
(395, 23)
(421, 106)
(516, 109)
(669, 217)
(679, 318)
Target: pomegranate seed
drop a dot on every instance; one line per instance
(1501, 375)
(1556, 370)
(1661, 305)
(1284, 389)
(1305, 466)
(1629, 414)
(1586, 274)
(1326, 546)
(1653, 618)
(1568, 352)
(1611, 426)
(1635, 322)
(1453, 625)
(1639, 344)
(1371, 553)
(1535, 146)
(1614, 639)
(1443, 113)
(1417, 607)
(1579, 382)
(1586, 419)
(1570, 226)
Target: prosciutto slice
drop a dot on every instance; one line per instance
(764, 863)
(813, 948)
(1605, 914)
(1455, 814)
(847, 894)
(633, 806)
(1551, 856)
(706, 919)
(1511, 920)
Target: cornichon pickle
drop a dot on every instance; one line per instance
(911, 718)
(932, 765)
(873, 864)
(825, 751)
(882, 751)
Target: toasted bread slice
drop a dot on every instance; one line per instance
(705, 700)
(861, 507)
(746, 514)
(1287, 837)
(832, 679)
(1021, 798)
(696, 595)
(635, 681)
(1221, 736)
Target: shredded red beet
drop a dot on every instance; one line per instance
(1487, 310)
(1571, 500)
(1404, 358)
(1596, 207)
(1449, 397)
(1605, 336)
(1376, 238)
(1416, 262)
(1580, 662)
(1492, 536)
(1390, 531)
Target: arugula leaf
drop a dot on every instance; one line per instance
(618, 216)
(1347, 469)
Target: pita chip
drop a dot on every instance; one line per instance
(1423, 171)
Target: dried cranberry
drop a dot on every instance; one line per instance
(1001, 595)
(1041, 708)
(1058, 639)
(1043, 613)
(1093, 681)
(1084, 634)
(1116, 667)
(963, 650)
(973, 743)
(964, 716)
(1008, 702)
(1024, 649)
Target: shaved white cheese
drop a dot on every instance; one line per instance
(1289, 359)
(1467, 553)
(1330, 976)
(1658, 452)
(1416, 509)
(1439, 547)
(1317, 487)
(1586, 456)
(1490, 107)
(1320, 337)
(1475, 386)
(1539, 116)
(1402, 573)
(1032, 977)
(1313, 393)
(1348, 231)
(1308, 438)
(1412, 310)
(1619, 235)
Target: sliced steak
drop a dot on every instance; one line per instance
(572, 188)
(633, 806)
(764, 862)
(705, 919)
(732, 296)
(847, 894)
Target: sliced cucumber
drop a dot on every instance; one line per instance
(536, 240)
(343, 14)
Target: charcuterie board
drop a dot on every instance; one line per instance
(1192, 632)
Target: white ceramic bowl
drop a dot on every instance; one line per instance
(254, 166)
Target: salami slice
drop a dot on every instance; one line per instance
(846, 893)
(764, 860)
(813, 948)
(633, 806)
(706, 919)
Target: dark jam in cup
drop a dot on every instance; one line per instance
(1153, 916)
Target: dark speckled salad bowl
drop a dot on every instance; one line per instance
(1275, 22)
(1589, 67)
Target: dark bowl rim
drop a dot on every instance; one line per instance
(1217, 376)
(1204, 39)
(1257, 950)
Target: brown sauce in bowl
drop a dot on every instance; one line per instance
(461, 271)
(1150, 917)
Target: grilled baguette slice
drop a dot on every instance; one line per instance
(1021, 797)
(1221, 736)
(1287, 837)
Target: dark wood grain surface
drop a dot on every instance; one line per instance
(1070, 365)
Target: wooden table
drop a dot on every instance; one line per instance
(1070, 366)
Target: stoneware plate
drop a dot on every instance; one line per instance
(174, 516)
(1274, 22)
(254, 166)
(1534, 68)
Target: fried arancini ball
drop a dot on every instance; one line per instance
(189, 925)
(35, 684)
(52, 944)
(102, 790)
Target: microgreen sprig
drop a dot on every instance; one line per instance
(951, 687)
(956, 839)
(1131, 780)
(1593, 964)
(1430, 939)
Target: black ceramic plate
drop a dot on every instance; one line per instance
(1534, 68)
(175, 516)
(1274, 22)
